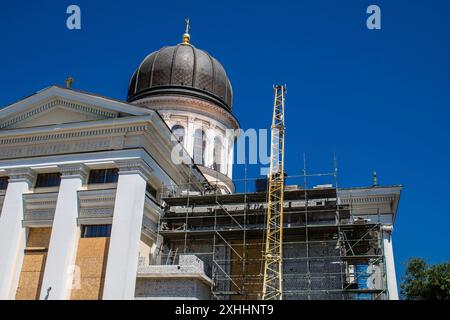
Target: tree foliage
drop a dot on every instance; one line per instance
(426, 282)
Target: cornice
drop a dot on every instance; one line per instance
(51, 104)
(192, 105)
(96, 206)
(219, 176)
(39, 208)
(147, 132)
(76, 133)
(151, 210)
(368, 199)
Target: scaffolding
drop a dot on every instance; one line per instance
(328, 253)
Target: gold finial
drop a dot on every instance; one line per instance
(69, 82)
(186, 36)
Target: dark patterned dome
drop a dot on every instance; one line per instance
(182, 70)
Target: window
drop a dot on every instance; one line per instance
(96, 231)
(217, 153)
(103, 176)
(178, 132)
(3, 183)
(199, 146)
(45, 180)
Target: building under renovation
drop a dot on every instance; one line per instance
(94, 207)
(337, 242)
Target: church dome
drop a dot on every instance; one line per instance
(182, 70)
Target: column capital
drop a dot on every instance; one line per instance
(135, 166)
(166, 116)
(76, 170)
(21, 174)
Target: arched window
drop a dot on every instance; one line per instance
(199, 146)
(178, 132)
(217, 154)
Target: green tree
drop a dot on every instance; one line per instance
(426, 282)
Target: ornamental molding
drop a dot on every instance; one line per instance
(74, 171)
(59, 148)
(198, 119)
(166, 116)
(69, 142)
(97, 196)
(135, 166)
(364, 200)
(96, 204)
(203, 125)
(21, 174)
(53, 103)
(190, 104)
(78, 134)
(39, 208)
(96, 212)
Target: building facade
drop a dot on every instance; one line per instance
(108, 199)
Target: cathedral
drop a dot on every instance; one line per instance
(93, 205)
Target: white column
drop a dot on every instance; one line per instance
(190, 137)
(230, 152)
(209, 132)
(224, 164)
(121, 268)
(389, 262)
(60, 264)
(12, 234)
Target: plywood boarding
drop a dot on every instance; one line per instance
(33, 265)
(91, 259)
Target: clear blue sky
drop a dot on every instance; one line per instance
(379, 99)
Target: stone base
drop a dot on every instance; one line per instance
(185, 281)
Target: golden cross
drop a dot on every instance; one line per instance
(187, 25)
(69, 82)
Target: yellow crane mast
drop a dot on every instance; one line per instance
(273, 254)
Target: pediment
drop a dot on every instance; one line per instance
(55, 111)
(55, 115)
(59, 106)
